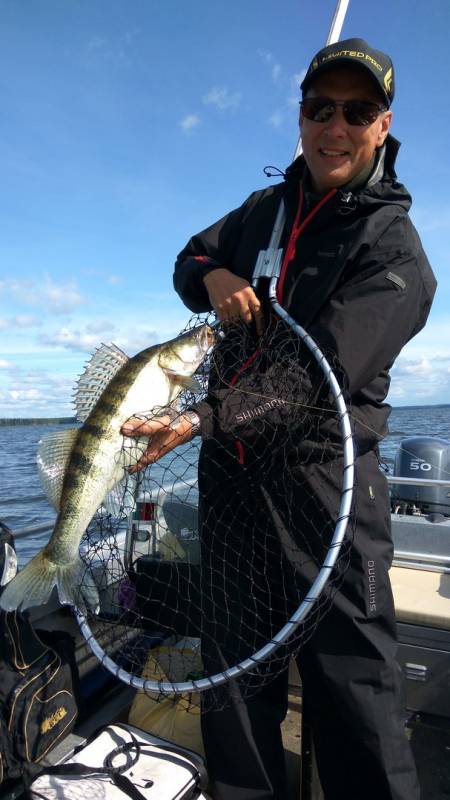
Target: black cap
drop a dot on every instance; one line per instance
(354, 51)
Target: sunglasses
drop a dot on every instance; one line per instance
(356, 112)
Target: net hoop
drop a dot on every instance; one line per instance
(318, 585)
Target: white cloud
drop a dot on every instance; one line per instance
(26, 321)
(275, 68)
(61, 299)
(24, 394)
(100, 326)
(425, 379)
(433, 342)
(36, 392)
(52, 297)
(422, 367)
(97, 43)
(188, 123)
(71, 340)
(85, 340)
(294, 87)
(276, 72)
(276, 119)
(114, 280)
(5, 364)
(220, 97)
(115, 49)
(266, 56)
(19, 321)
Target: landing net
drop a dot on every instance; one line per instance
(219, 565)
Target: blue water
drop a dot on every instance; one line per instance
(22, 503)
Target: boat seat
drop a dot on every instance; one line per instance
(421, 597)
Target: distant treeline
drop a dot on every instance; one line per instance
(38, 421)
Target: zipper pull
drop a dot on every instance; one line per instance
(348, 203)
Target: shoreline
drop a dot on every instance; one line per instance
(38, 421)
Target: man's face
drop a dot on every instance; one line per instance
(335, 151)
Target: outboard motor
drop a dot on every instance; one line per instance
(423, 457)
(8, 558)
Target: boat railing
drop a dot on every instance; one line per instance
(31, 530)
(411, 557)
(396, 479)
(423, 561)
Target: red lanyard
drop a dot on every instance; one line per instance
(297, 228)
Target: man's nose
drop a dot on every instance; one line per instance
(337, 123)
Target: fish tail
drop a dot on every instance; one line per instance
(33, 585)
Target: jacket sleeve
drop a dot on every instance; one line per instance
(381, 304)
(269, 394)
(262, 406)
(208, 250)
(372, 315)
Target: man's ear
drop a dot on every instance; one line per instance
(384, 128)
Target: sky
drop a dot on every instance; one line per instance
(126, 126)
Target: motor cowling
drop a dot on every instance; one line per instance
(423, 457)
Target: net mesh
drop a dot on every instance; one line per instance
(207, 558)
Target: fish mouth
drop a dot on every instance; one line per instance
(184, 354)
(205, 337)
(210, 335)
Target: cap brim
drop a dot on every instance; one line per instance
(344, 61)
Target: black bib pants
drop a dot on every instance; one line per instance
(352, 684)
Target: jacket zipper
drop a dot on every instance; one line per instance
(297, 229)
(289, 255)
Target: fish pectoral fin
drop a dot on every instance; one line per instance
(185, 381)
(53, 455)
(98, 373)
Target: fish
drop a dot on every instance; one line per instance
(79, 467)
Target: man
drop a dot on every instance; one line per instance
(355, 276)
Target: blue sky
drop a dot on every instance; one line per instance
(128, 125)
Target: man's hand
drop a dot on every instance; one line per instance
(233, 298)
(165, 434)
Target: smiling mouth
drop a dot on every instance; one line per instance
(328, 153)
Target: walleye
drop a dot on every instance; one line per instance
(80, 466)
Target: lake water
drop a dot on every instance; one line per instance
(23, 505)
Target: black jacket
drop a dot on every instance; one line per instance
(358, 281)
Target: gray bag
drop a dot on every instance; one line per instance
(125, 763)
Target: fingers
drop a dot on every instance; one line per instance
(138, 427)
(154, 452)
(242, 305)
(233, 298)
(165, 436)
(257, 314)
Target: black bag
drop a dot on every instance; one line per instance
(38, 706)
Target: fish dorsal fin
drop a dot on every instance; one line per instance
(98, 372)
(53, 454)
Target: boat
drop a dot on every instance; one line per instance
(420, 578)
